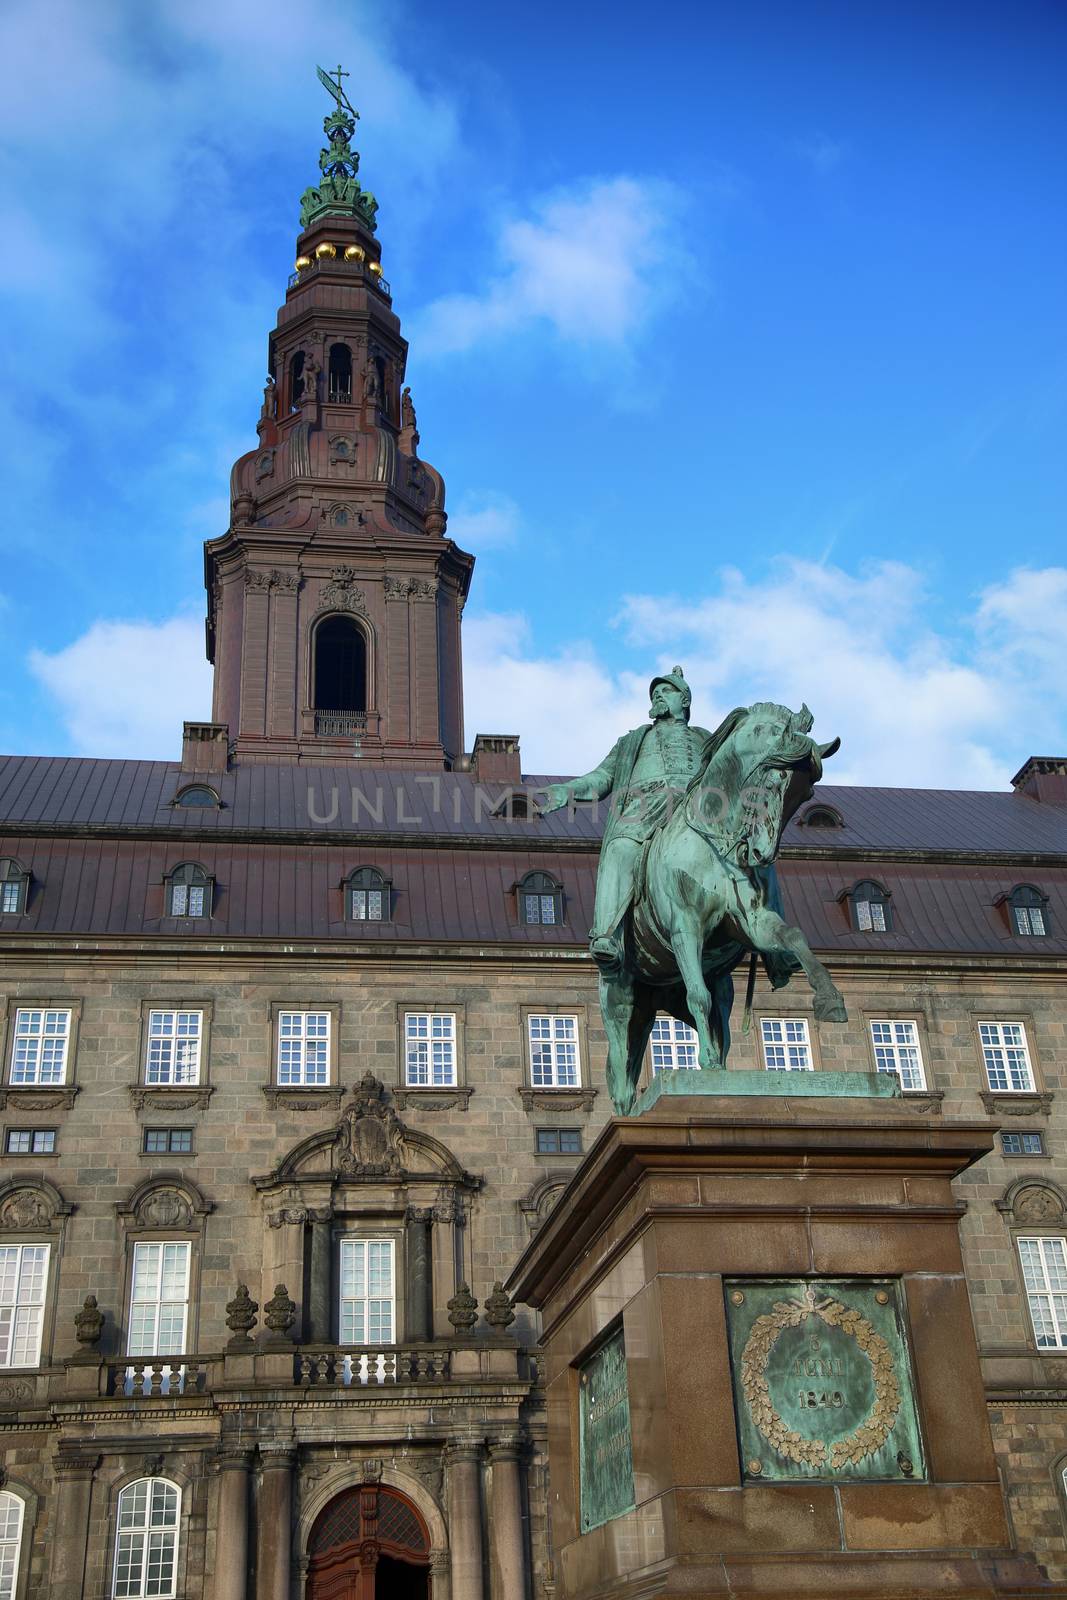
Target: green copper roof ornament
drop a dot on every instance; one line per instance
(338, 193)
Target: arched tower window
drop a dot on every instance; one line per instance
(340, 666)
(296, 380)
(340, 390)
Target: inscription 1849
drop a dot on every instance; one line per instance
(605, 1455)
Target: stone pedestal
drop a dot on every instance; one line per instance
(679, 1230)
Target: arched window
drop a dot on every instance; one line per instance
(188, 891)
(340, 667)
(1028, 911)
(822, 817)
(197, 794)
(368, 896)
(10, 1542)
(14, 886)
(146, 1546)
(296, 380)
(870, 908)
(340, 390)
(540, 899)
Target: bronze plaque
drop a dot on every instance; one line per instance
(822, 1378)
(606, 1472)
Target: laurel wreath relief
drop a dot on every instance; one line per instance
(878, 1424)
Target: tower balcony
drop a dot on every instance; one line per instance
(345, 724)
(339, 266)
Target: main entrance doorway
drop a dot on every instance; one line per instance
(369, 1543)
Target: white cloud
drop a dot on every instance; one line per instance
(484, 520)
(588, 265)
(124, 688)
(913, 703)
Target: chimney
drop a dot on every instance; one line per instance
(495, 758)
(1043, 778)
(205, 747)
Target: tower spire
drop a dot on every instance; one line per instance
(338, 193)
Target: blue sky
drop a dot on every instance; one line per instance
(739, 334)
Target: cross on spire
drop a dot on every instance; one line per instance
(336, 89)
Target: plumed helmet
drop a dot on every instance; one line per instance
(676, 681)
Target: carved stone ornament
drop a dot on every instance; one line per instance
(89, 1323)
(264, 465)
(463, 1309)
(308, 1098)
(368, 1139)
(432, 1099)
(241, 1316)
(370, 1470)
(256, 579)
(279, 1313)
(174, 1099)
(342, 450)
(25, 1208)
(1016, 1105)
(165, 1208)
(1027, 1202)
(397, 588)
(342, 592)
(152, 1466)
(557, 1099)
(298, 1216)
(499, 1310)
(38, 1099)
(14, 1389)
(423, 588)
(289, 580)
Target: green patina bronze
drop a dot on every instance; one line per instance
(822, 1379)
(606, 1472)
(339, 193)
(686, 888)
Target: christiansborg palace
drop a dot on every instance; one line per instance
(301, 1045)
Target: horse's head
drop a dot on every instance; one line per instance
(778, 765)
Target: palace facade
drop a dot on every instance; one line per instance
(300, 1042)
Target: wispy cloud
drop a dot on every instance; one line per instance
(484, 520)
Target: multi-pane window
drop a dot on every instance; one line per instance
(174, 1040)
(368, 896)
(10, 1543)
(30, 1142)
(303, 1047)
(540, 900)
(1044, 1263)
(189, 892)
(13, 885)
(168, 1141)
(23, 1281)
(42, 1039)
(673, 1045)
(1006, 1057)
(896, 1050)
(1029, 919)
(786, 1045)
(159, 1299)
(870, 908)
(146, 1550)
(559, 1141)
(1028, 914)
(554, 1052)
(1023, 1144)
(368, 1292)
(429, 1048)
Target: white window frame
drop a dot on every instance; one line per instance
(10, 1541)
(1043, 1259)
(174, 1041)
(145, 1531)
(356, 1312)
(539, 908)
(295, 1064)
(430, 1049)
(159, 1317)
(1029, 921)
(900, 1052)
(555, 1057)
(871, 917)
(366, 905)
(40, 1050)
(786, 1044)
(23, 1293)
(1006, 1055)
(11, 892)
(673, 1046)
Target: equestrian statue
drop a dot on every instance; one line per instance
(686, 886)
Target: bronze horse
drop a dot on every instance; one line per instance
(708, 895)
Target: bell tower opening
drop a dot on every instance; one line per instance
(339, 666)
(340, 391)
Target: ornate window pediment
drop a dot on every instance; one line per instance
(31, 1205)
(166, 1200)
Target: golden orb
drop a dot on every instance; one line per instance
(325, 249)
(355, 252)
(301, 263)
(374, 266)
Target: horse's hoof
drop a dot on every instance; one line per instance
(831, 1010)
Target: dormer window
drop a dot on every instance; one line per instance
(368, 896)
(822, 817)
(14, 887)
(1028, 911)
(197, 794)
(188, 890)
(870, 908)
(540, 900)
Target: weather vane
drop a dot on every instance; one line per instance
(335, 89)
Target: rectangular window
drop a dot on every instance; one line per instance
(1023, 1144)
(187, 899)
(159, 1299)
(366, 905)
(168, 1141)
(870, 916)
(559, 1141)
(786, 1046)
(174, 1047)
(673, 1045)
(368, 1292)
(30, 1142)
(896, 1050)
(23, 1281)
(42, 1038)
(429, 1048)
(11, 897)
(304, 1047)
(1044, 1263)
(1007, 1060)
(540, 908)
(1028, 919)
(554, 1052)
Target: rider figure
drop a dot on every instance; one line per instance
(646, 772)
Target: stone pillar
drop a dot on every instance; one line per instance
(274, 1522)
(440, 1575)
(74, 1488)
(231, 1539)
(284, 655)
(319, 1321)
(419, 1275)
(254, 653)
(465, 1520)
(505, 1519)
